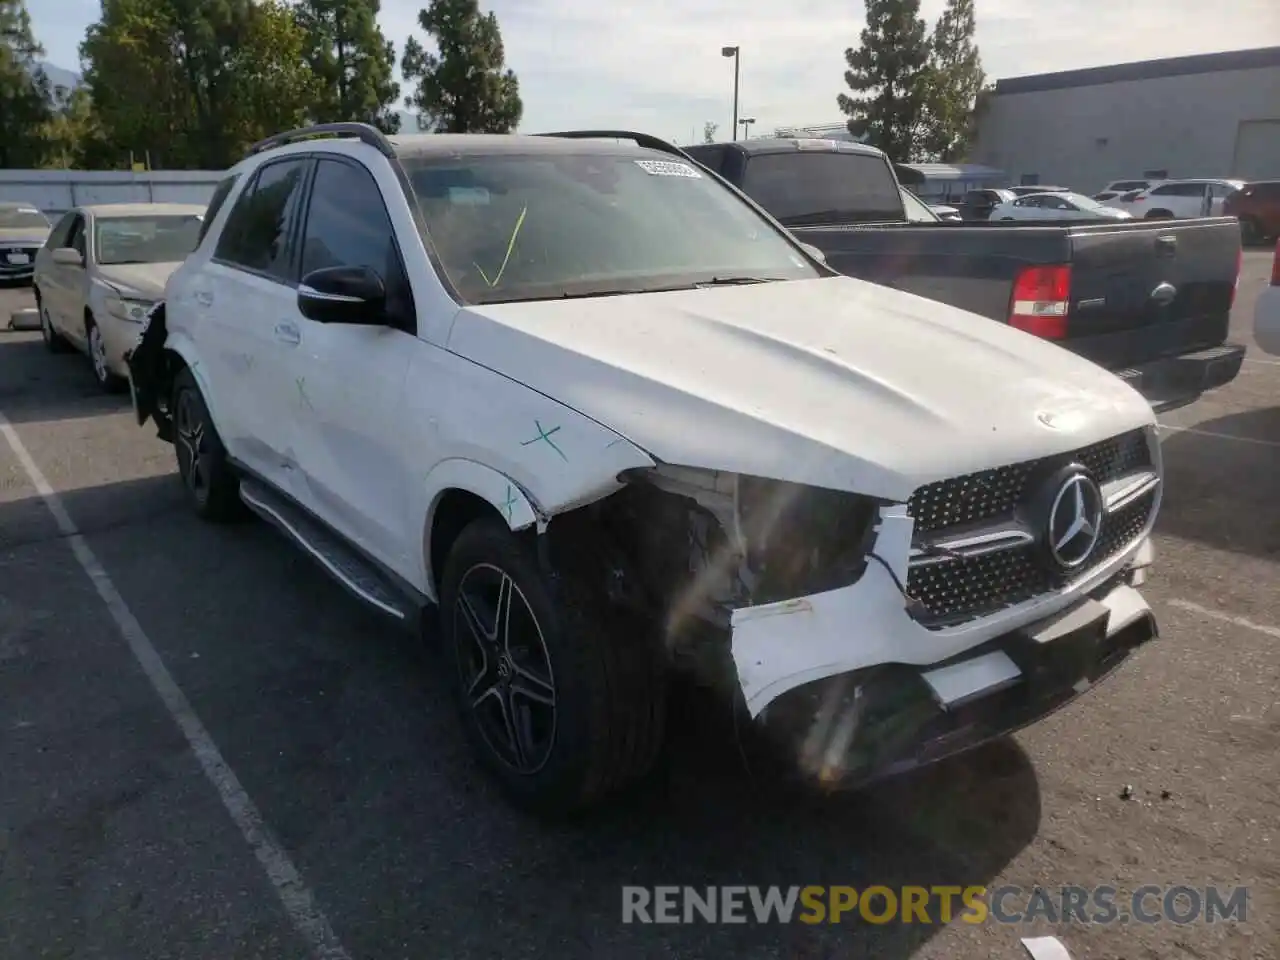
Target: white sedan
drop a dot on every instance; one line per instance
(1266, 315)
(101, 270)
(1056, 206)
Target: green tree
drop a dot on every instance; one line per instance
(954, 80)
(888, 75)
(73, 134)
(709, 132)
(352, 61)
(191, 83)
(465, 86)
(25, 108)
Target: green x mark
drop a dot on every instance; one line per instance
(509, 504)
(544, 434)
(302, 391)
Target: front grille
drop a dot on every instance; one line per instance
(4, 258)
(993, 494)
(956, 590)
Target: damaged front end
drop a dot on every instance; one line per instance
(792, 601)
(151, 374)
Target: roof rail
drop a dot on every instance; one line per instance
(648, 141)
(364, 132)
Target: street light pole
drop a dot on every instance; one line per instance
(734, 52)
(746, 127)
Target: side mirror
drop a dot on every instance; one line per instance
(68, 256)
(343, 295)
(814, 252)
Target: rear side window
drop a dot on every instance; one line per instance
(220, 194)
(807, 188)
(348, 226)
(1179, 190)
(711, 157)
(256, 236)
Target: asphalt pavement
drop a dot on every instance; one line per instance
(207, 750)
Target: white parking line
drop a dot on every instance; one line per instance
(1219, 436)
(299, 904)
(1226, 618)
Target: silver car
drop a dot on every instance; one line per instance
(102, 269)
(23, 231)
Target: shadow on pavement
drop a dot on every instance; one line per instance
(1222, 492)
(38, 386)
(341, 731)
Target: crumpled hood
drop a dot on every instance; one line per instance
(143, 279)
(833, 382)
(24, 236)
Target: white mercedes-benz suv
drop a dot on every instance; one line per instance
(614, 422)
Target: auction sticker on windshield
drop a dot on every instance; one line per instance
(668, 168)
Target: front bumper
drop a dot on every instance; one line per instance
(854, 728)
(120, 337)
(1176, 381)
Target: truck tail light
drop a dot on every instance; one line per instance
(1235, 287)
(1041, 297)
(1275, 267)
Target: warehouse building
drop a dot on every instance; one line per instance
(1211, 115)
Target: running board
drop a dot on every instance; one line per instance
(341, 562)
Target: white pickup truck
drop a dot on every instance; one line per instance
(613, 421)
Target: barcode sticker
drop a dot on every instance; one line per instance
(668, 168)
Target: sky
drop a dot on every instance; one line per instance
(656, 66)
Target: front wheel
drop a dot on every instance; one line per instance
(107, 381)
(1250, 232)
(212, 488)
(561, 697)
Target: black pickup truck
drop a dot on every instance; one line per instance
(1147, 299)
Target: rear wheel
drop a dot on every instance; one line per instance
(53, 341)
(212, 488)
(561, 698)
(1250, 232)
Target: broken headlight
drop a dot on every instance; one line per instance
(788, 539)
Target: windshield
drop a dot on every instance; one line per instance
(538, 226)
(165, 238)
(1083, 202)
(22, 218)
(806, 188)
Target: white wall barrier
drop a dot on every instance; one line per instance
(56, 191)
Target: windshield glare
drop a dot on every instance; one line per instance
(22, 218)
(532, 226)
(157, 239)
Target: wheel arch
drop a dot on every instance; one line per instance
(181, 355)
(460, 491)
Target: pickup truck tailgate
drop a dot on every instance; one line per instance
(1154, 289)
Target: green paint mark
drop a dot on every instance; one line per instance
(509, 504)
(302, 391)
(544, 434)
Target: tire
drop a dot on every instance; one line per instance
(107, 381)
(212, 487)
(53, 341)
(605, 682)
(1251, 234)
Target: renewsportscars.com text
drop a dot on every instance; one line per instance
(934, 905)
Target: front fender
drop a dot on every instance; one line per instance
(503, 494)
(180, 342)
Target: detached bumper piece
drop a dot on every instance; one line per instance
(849, 730)
(1172, 382)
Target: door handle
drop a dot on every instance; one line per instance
(204, 298)
(288, 333)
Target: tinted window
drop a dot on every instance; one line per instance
(711, 157)
(256, 233)
(801, 187)
(1267, 191)
(61, 231)
(549, 224)
(1179, 190)
(159, 239)
(220, 194)
(348, 226)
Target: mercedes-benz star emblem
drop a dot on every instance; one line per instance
(1075, 520)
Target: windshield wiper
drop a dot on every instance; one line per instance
(734, 281)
